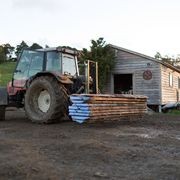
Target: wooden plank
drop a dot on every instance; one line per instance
(106, 114)
(109, 96)
(108, 105)
(115, 108)
(112, 102)
(95, 107)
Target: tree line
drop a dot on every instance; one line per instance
(174, 61)
(8, 52)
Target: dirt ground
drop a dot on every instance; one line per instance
(141, 149)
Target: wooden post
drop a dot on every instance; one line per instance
(160, 110)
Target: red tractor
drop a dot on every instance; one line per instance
(42, 82)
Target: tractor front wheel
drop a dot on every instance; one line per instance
(46, 100)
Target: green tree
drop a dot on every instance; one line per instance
(2, 54)
(20, 47)
(103, 54)
(170, 60)
(158, 55)
(8, 50)
(35, 46)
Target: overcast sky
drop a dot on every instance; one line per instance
(145, 26)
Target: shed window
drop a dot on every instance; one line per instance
(170, 80)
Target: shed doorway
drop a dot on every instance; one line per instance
(123, 84)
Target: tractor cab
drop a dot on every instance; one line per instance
(60, 61)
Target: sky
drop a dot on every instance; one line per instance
(144, 26)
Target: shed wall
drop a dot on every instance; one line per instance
(169, 93)
(127, 63)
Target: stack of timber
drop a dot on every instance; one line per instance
(96, 107)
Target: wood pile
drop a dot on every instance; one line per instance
(96, 107)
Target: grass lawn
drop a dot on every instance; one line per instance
(174, 112)
(6, 70)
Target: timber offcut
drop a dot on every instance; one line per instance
(99, 107)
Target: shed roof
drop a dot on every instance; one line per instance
(145, 56)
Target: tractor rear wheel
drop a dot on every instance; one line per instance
(2, 113)
(46, 100)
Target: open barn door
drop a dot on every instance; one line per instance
(123, 84)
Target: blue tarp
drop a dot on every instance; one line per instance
(79, 110)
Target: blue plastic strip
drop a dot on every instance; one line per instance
(77, 101)
(79, 98)
(79, 111)
(78, 108)
(79, 114)
(80, 105)
(80, 118)
(75, 98)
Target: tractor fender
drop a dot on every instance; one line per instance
(3, 96)
(61, 78)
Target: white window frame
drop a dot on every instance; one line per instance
(170, 79)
